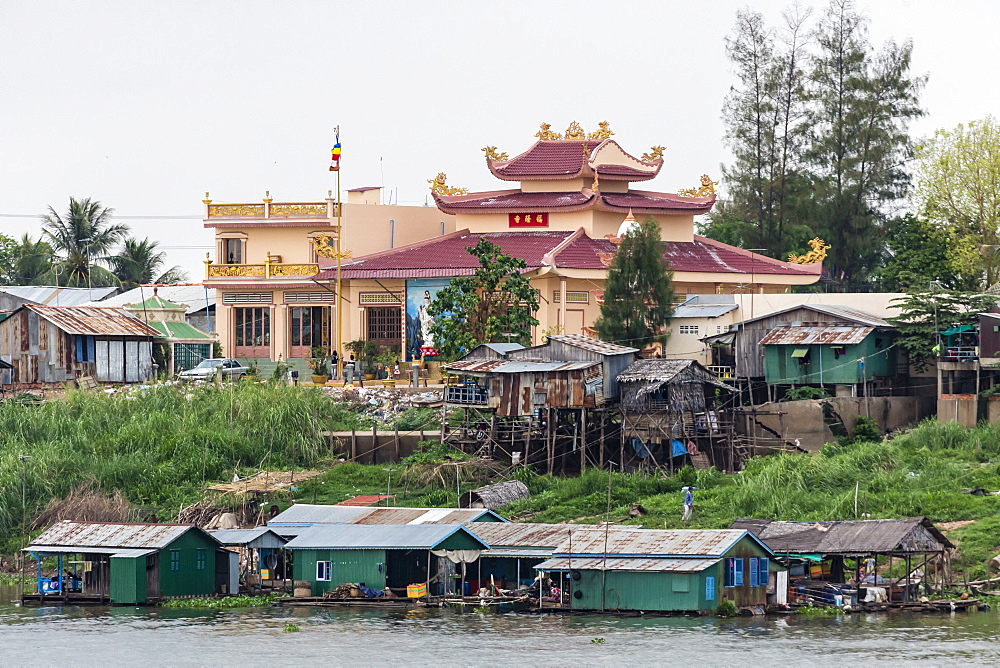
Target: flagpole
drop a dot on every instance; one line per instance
(340, 286)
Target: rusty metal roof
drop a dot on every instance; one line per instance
(305, 513)
(653, 542)
(94, 320)
(369, 537)
(517, 366)
(848, 537)
(822, 335)
(635, 564)
(592, 344)
(527, 534)
(69, 533)
(664, 371)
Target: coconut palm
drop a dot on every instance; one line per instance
(82, 236)
(31, 263)
(138, 262)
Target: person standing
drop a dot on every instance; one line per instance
(334, 363)
(688, 504)
(349, 371)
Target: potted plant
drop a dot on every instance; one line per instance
(320, 365)
(388, 358)
(364, 357)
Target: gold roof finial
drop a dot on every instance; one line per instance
(206, 200)
(491, 154)
(267, 197)
(604, 132)
(439, 186)
(655, 153)
(545, 133)
(574, 131)
(817, 254)
(707, 188)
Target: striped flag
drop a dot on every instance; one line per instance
(335, 157)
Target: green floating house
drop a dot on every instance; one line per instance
(128, 564)
(379, 556)
(680, 570)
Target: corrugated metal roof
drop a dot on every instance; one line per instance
(58, 296)
(663, 371)
(652, 542)
(592, 344)
(503, 347)
(848, 537)
(375, 537)
(517, 366)
(304, 513)
(256, 537)
(847, 313)
(192, 295)
(108, 534)
(523, 553)
(527, 534)
(703, 310)
(48, 550)
(824, 335)
(94, 320)
(364, 501)
(180, 330)
(634, 564)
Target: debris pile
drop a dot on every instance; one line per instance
(384, 405)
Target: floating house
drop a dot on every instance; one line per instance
(663, 570)
(816, 553)
(259, 553)
(54, 344)
(128, 564)
(672, 413)
(382, 556)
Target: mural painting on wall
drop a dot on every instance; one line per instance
(420, 295)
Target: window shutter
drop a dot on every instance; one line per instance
(79, 340)
(738, 572)
(753, 572)
(764, 573)
(91, 355)
(709, 588)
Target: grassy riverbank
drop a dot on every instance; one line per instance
(160, 447)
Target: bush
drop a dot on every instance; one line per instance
(805, 392)
(726, 609)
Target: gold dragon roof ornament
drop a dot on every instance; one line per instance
(491, 154)
(707, 188)
(604, 131)
(655, 153)
(545, 133)
(817, 254)
(439, 186)
(324, 245)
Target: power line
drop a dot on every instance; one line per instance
(26, 215)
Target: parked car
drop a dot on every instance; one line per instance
(229, 368)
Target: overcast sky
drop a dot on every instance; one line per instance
(146, 105)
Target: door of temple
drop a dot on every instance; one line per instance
(253, 332)
(309, 328)
(384, 326)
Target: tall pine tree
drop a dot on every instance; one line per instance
(638, 292)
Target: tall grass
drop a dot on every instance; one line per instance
(159, 445)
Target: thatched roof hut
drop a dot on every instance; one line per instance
(492, 497)
(676, 386)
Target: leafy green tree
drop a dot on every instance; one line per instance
(32, 264)
(859, 144)
(80, 237)
(921, 252)
(8, 257)
(924, 313)
(638, 292)
(495, 305)
(958, 187)
(138, 262)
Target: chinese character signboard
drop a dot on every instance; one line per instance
(528, 219)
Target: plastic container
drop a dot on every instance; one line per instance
(416, 590)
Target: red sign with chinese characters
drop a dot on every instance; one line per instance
(528, 219)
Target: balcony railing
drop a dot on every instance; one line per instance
(276, 210)
(959, 353)
(466, 394)
(721, 371)
(266, 270)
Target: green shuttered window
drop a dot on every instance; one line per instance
(175, 560)
(202, 555)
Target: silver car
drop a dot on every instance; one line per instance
(228, 368)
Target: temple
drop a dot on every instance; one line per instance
(573, 194)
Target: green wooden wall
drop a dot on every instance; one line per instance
(189, 579)
(128, 580)
(826, 367)
(347, 566)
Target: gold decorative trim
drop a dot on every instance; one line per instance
(303, 269)
(574, 132)
(299, 209)
(235, 271)
(235, 210)
(545, 133)
(604, 132)
(817, 254)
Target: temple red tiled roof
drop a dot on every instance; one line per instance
(446, 256)
(515, 201)
(570, 159)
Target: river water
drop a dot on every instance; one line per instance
(151, 636)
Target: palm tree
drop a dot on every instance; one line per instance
(32, 262)
(85, 234)
(138, 262)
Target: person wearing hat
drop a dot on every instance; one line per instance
(688, 503)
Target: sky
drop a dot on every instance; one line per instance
(147, 105)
